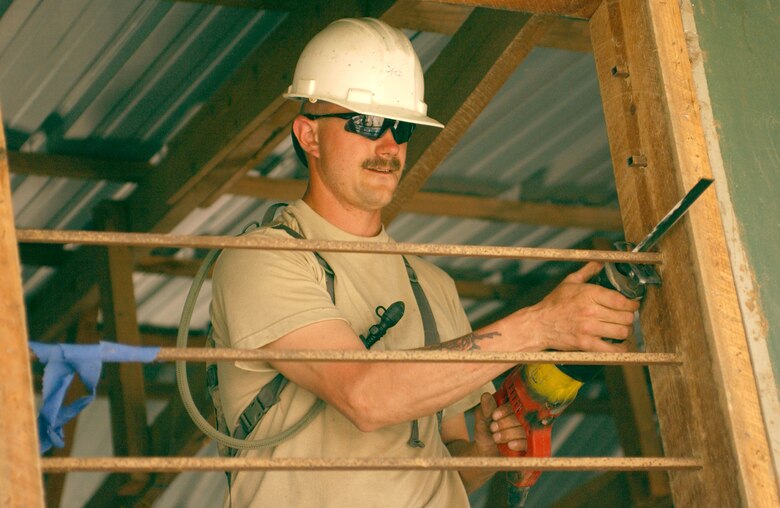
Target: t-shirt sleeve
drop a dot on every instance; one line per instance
(259, 296)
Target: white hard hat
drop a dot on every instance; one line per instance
(366, 66)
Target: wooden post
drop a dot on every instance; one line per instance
(126, 380)
(21, 483)
(708, 408)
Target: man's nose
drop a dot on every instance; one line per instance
(386, 145)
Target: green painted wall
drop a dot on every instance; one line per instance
(740, 41)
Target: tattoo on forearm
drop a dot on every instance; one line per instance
(468, 342)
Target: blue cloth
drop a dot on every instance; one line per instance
(61, 362)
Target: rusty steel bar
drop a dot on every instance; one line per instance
(439, 356)
(175, 464)
(292, 244)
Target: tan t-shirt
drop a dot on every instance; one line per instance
(259, 296)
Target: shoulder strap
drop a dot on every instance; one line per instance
(431, 338)
(429, 322)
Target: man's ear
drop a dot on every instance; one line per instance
(306, 132)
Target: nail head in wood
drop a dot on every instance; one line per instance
(620, 71)
(637, 161)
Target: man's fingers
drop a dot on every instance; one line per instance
(487, 406)
(614, 300)
(585, 273)
(511, 434)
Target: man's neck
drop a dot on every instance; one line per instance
(352, 220)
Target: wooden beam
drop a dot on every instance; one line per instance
(467, 74)
(272, 5)
(459, 205)
(569, 34)
(650, 105)
(427, 16)
(68, 166)
(126, 380)
(237, 127)
(432, 16)
(583, 9)
(20, 466)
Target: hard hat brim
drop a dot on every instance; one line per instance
(395, 113)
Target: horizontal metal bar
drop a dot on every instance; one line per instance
(582, 358)
(292, 244)
(174, 464)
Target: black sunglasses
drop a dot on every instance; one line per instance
(371, 126)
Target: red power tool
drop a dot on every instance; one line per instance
(538, 393)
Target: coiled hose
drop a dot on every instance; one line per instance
(184, 387)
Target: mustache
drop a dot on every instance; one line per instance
(392, 164)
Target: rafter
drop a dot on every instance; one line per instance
(582, 9)
(471, 68)
(68, 166)
(432, 16)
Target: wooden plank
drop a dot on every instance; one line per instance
(431, 16)
(471, 69)
(126, 380)
(68, 166)
(274, 5)
(20, 467)
(226, 130)
(427, 16)
(459, 205)
(583, 9)
(569, 34)
(695, 312)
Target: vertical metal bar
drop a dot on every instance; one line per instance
(21, 483)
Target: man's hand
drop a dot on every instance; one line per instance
(496, 425)
(576, 316)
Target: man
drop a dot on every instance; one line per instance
(363, 90)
